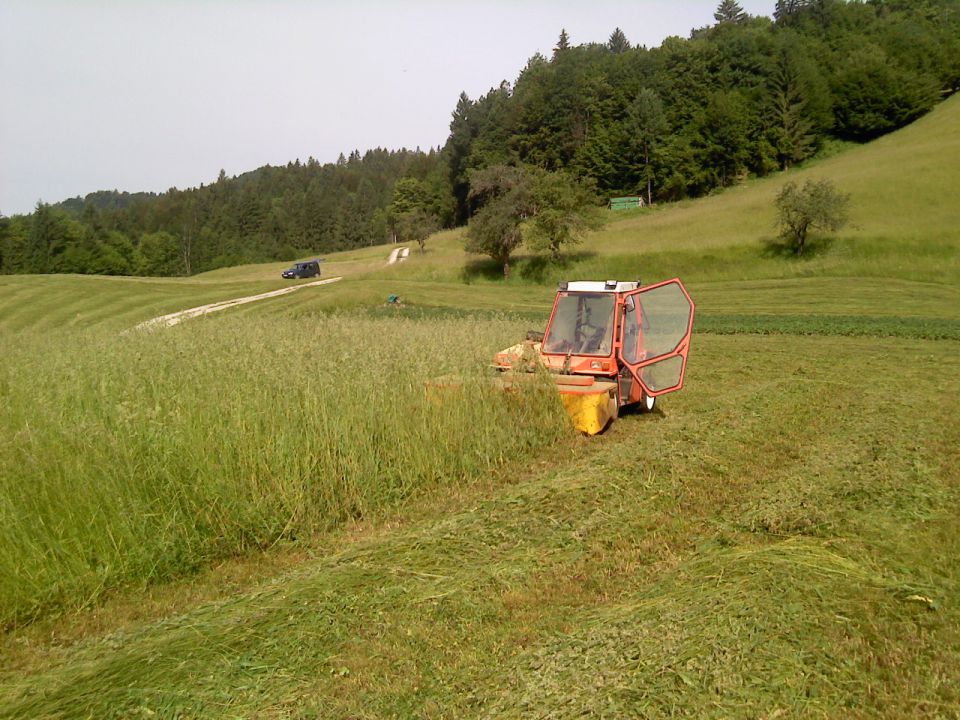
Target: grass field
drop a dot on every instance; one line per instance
(781, 538)
(266, 514)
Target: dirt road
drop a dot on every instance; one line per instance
(177, 317)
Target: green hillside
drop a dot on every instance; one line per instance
(903, 235)
(266, 513)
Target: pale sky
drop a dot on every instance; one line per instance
(144, 96)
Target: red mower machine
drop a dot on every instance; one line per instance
(608, 345)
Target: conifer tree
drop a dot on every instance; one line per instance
(563, 43)
(618, 42)
(729, 11)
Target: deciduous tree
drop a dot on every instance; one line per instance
(504, 195)
(646, 125)
(564, 209)
(416, 225)
(818, 204)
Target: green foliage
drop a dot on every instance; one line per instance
(416, 226)
(729, 11)
(273, 213)
(547, 210)
(818, 204)
(505, 198)
(798, 103)
(874, 95)
(646, 126)
(564, 211)
(744, 97)
(159, 255)
(618, 42)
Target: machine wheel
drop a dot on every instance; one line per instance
(647, 403)
(613, 408)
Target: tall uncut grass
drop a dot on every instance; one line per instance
(138, 457)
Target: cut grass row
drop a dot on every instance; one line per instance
(778, 541)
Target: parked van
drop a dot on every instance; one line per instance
(308, 269)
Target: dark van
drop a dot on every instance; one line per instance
(308, 269)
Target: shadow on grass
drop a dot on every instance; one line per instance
(532, 268)
(778, 247)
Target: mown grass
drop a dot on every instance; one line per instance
(128, 459)
(50, 302)
(779, 540)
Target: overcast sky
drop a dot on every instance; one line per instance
(140, 95)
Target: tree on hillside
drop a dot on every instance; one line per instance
(818, 204)
(798, 106)
(416, 226)
(618, 42)
(159, 255)
(563, 43)
(464, 129)
(409, 193)
(729, 11)
(564, 209)
(723, 131)
(504, 195)
(786, 10)
(874, 94)
(646, 125)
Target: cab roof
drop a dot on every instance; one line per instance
(610, 286)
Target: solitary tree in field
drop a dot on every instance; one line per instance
(564, 210)
(818, 204)
(416, 225)
(504, 195)
(545, 209)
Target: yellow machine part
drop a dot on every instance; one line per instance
(590, 408)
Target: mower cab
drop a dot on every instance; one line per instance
(612, 344)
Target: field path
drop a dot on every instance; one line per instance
(398, 254)
(177, 317)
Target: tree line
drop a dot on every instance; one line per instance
(273, 213)
(743, 96)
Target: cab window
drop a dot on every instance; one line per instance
(581, 325)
